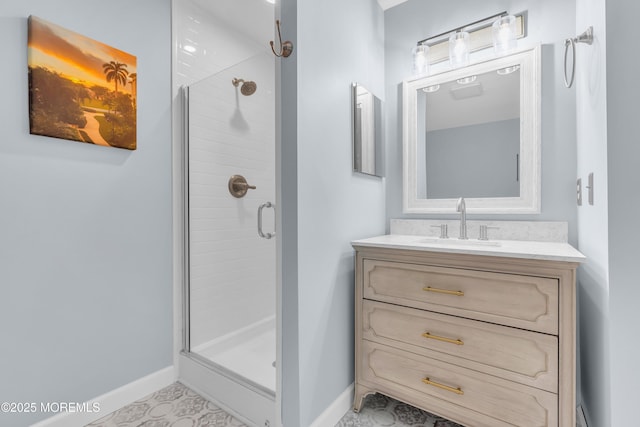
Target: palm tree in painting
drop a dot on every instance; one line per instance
(133, 80)
(115, 71)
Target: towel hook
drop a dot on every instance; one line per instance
(586, 37)
(286, 47)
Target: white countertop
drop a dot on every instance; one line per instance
(552, 251)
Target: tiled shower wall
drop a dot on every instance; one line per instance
(232, 269)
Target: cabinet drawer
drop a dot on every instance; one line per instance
(455, 392)
(521, 301)
(527, 357)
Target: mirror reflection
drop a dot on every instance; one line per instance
(474, 132)
(367, 131)
(469, 136)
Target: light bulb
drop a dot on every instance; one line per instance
(420, 60)
(504, 34)
(459, 49)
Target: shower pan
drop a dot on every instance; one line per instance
(229, 298)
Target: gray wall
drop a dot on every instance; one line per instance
(473, 161)
(593, 276)
(337, 43)
(549, 23)
(623, 154)
(85, 231)
(287, 200)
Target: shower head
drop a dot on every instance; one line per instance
(248, 87)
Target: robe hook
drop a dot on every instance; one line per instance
(286, 47)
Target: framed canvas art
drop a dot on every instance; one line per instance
(80, 89)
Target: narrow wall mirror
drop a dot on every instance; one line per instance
(474, 132)
(367, 131)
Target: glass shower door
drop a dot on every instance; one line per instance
(231, 287)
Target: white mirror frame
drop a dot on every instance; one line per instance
(529, 200)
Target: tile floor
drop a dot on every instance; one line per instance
(178, 406)
(173, 406)
(379, 410)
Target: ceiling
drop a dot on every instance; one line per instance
(247, 16)
(386, 4)
(490, 98)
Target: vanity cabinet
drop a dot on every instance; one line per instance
(482, 340)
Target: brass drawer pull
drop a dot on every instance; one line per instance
(444, 339)
(442, 386)
(443, 291)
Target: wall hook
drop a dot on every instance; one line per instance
(286, 47)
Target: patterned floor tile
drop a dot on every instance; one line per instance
(382, 411)
(178, 406)
(173, 406)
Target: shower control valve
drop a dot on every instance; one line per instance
(238, 186)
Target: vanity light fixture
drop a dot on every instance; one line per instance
(459, 49)
(420, 62)
(504, 34)
(480, 36)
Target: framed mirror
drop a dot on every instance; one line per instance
(367, 131)
(474, 132)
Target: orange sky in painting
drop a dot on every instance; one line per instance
(74, 56)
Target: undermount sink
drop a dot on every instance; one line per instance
(458, 242)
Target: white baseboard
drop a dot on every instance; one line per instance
(335, 411)
(113, 400)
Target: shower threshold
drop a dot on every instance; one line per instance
(249, 352)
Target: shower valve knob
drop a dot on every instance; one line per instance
(238, 186)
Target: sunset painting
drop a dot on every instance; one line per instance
(80, 89)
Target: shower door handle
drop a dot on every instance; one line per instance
(260, 232)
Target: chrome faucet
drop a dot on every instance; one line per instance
(462, 208)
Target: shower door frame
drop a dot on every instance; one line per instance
(189, 369)
(250, 403)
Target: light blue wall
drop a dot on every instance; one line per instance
(593, 276)
(549, 23)
(478, 160)
(287, 203)
(85, 231)
(337, 43)
(623, 154)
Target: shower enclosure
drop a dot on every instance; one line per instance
(226, 74)
(230, 274)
